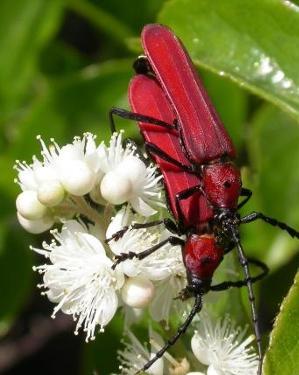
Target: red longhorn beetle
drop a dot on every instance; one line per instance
(187, 140)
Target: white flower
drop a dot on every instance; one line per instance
(128, 179)
(164, 267)
(79, 278)
(135, 356)
(164, 303)
(73, 168)
(221, 346)
(160, 265)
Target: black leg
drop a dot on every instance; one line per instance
(238, 284)
(123, 113)
(143, 254)
(185, 194)
(248, 279)
(168, 223)
(155, 150)
(244, 193)
(258, 215)
(182, 329)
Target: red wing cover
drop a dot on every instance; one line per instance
(202, 131)
(147, 98)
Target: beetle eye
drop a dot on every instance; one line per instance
(227, 184)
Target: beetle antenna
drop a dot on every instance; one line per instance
(244, 263)
(181, 330)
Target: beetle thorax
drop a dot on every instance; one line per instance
(222, 184)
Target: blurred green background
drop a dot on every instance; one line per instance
(64, 64)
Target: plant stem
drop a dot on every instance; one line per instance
(85, 209)
(101, 19)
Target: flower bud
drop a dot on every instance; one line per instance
(132, 168)
(70, 152)
(76, 177)
(137, 292)
(29, 206)
(36, 226)
(116, 189)
(51, 193)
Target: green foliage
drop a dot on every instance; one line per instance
(248, 56)
(282, 355)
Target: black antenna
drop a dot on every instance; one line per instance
(244, 263)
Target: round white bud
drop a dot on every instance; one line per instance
(51, 193)
(76, 177)
(29, 206)
(116, 189)
(70, 152)
(36, 226)
(132, 168)
(137, 292)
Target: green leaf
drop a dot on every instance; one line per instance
(15, 272)
(25, 27)
(252, 43)
(274, 155)
(282, 356)
(72, 105)
(234, 111)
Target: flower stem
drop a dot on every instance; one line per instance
(85, 209)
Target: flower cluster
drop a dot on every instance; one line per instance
(82, 188)
(100, 201)
(217, 345)
(51, 187)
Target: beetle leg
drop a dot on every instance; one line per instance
(185, 194)
(123, 113)
(143, 254)
(240, 283)
(258, 215)
(155, 150)
(244, 193)
(168, 223)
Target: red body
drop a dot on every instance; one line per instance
(147, 97)
(202, 131)
(200, 139)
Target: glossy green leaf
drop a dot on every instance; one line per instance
(282, 356)
(274, 155)
(252, 42)
(233, 112)
(25, 27)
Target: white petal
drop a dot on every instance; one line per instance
(27, 179)
(141, 207)
(119, 221)
(36, 226)
(213, 371)
(45, 174)
(200, 351)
